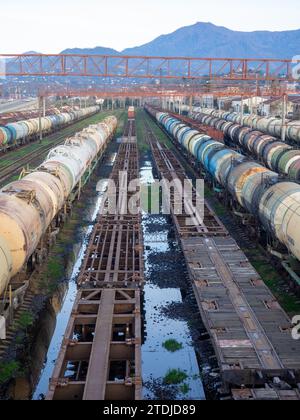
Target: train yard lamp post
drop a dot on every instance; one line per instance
(284, 112)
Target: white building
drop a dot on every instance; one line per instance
(250, 104)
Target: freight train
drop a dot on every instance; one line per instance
(28, 206)
(27, 114)
(270, 126)
(276, 155)
(254, 187)
(16, 133)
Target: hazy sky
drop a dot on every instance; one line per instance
(51, 26)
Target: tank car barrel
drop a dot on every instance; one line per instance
(15, 132)
(258, 137)
(253, 186)
(28, 206)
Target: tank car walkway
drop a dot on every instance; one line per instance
(250, 332)
(100, 358)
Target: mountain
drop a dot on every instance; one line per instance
(208, 40)
(92, 51)
(32, 52)
(198, 40)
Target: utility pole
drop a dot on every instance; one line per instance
(242, 106)
(251, 104)
(284, 112)
(191, 104)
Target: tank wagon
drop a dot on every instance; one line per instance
(14, 134)
(254, 187)
(29, 206)
(276, 155)
(8, 117)
(131, 113)
(270, 126)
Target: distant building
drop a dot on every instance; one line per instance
(270, 107)
(273, 107)
(225, 103)
(249, 104)
(207, 101)
(296, 108)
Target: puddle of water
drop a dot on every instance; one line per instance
(161, 290)
(61, 325)
(112, 158)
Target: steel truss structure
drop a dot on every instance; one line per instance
(145, 67)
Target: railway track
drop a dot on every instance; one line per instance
(130, 131)
(250, 332)
(11, 169)
(197, 125)
(100, 358)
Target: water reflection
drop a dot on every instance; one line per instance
(165, 277)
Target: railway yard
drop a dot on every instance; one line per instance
(149, 204)
(131, 305)
(149, 233)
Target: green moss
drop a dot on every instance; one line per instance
(53, 272)
(26, 320)
(185, 389)
(14, 178)
(58, 248)
(207, 192)
(219, 209)
(8, 371)
(172, 345)
(54, 269)
(175, 377)
(19, 339)
(122, 118)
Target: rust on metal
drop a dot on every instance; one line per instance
(250, 332)
(265, 394)
(100, 358)
(171, 169)
(100, 355)
(145, 67)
